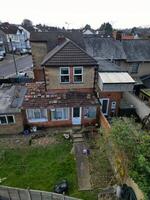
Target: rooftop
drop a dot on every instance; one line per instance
(68, 53)
(37, 97)
(116, 77)
(11, 98)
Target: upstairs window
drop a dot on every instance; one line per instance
(7, 119)
(78, 74)
(64, 75)
(135, 67)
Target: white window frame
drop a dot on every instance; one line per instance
(41, 119)
(68, 110)
(81, 67)
(64, 74)
(7, 123)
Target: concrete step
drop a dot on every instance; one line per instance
(77, 135)
(76, 140)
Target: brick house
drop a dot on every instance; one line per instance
(65, 94)
(11, 98)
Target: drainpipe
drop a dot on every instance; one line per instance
(44, 78)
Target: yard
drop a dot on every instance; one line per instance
(49, 160)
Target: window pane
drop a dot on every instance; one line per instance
(10, 119)
(90, 112)
(30, 113)
(64, 79)
(59, 113)
(66, 113)
(77, 78)
(3, 120)
(43, 113)
(64, 71)
(37, 114)
(77, 70)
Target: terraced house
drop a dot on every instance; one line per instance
(64, 94)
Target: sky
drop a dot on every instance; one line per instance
(77, 13)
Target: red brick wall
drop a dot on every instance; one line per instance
(113, 96)
(59, 123)
(38, 74)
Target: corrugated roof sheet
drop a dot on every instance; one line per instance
(116, 77)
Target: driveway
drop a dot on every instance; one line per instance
(7, 67)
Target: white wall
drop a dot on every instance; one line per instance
(141, 108)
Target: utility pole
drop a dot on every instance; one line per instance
(13, 56)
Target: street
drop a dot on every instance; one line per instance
(8, 69)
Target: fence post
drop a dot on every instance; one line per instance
(19, 194)
(9, 194)
(29, 194)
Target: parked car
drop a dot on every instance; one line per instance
(23, 51)
(1, 56)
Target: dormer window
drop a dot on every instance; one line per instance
(64, 75)
(78, 74)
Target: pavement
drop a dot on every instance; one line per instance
(7, 67)
(82, 163)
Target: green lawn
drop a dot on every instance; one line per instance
(41, 168)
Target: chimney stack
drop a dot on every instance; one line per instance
(61, 39)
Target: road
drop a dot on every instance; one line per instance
(8, 69)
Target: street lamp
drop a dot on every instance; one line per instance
(13, 56)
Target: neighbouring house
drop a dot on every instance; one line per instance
(11, 98)
(2, 43)
(111, 86)
(113, 80)
(18, 36)
(66, 95)
(145, 95)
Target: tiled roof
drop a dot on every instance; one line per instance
(104, 48)
(37, 97)
(67, 54)
(137, 50)
(8, 28)
(51, 37)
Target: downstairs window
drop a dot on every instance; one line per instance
(60, 114)
(89, 112)
(37, 115)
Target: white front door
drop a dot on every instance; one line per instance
(76, 115)
(105, 105)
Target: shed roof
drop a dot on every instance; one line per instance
(116, 77)
(137, 50)
(66, 54)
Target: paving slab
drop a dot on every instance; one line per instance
(82, 163)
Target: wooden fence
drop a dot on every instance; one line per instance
(11, 193)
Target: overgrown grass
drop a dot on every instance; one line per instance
(41, 168)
